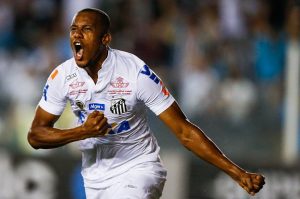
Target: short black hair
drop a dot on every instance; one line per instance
(103, 17)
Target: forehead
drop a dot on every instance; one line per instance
(85, 18)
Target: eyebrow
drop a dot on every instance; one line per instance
(85, 25)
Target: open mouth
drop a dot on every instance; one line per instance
(78, 50)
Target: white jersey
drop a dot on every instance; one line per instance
(125, 87)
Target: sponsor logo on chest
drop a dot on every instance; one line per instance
(69, 77)
(80, 104)
(76, 87)
(119, 82)
(76, 84)
(97, 106)
(119, 86)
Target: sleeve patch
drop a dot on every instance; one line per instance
(54, 74)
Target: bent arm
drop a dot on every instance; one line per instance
(42, 133)
(194, 139)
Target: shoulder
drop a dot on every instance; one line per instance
(129, 58)
(124, 54)
(61, 73)
(127, 62)
(67, 67)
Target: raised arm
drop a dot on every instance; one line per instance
(194, 139)
(42, 133)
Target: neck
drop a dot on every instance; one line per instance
(95, 64)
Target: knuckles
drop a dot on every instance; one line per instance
(96, 124)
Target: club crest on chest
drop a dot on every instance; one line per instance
(118, 106)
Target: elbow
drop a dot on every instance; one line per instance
(191, 137)
(186, 142)
(187, 134)
(31, 140)
(186, 139)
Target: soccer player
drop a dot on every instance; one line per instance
(109, 91)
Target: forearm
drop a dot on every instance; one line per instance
(197, 142)
(49, 137)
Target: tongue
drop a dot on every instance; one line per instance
(79, 54)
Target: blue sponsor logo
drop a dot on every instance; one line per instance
(81, 117)
(97, 106)
(124, 126)
(147, 71)
(45, 92)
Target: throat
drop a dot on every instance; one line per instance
(95, 64)
(94, 78)
(93, 74)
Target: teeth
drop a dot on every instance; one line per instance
(77, 46)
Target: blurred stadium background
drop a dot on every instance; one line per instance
(233, 66)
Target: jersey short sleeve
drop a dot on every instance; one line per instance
(53, 99)
(151, 90)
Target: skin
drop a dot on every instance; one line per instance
(196, 141)
(85, 28)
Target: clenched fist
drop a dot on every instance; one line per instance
(96, 124)
(251, 182)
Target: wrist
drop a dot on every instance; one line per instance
(235, 172)
(81, 131)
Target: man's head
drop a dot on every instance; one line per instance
(89, 36)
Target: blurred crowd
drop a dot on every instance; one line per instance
(220, 58)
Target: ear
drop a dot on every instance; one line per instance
(106, 39)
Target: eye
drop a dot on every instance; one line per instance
(73, 29)
(87, 29)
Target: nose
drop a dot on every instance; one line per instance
(77, 33)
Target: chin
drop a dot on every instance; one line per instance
(81, 64)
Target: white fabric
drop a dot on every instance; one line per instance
(125, 87)
(144, 181)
